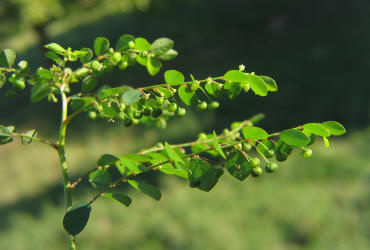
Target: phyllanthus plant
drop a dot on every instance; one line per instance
(241, 150)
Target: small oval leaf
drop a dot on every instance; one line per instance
(173, 77)
(146, 188)
(254, 133)
(76, 218)
(101, 45)
(335, 128)
(7, 58)
(120, 198)
(317, 129)
(294, 137)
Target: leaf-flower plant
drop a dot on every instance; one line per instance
(241, 150)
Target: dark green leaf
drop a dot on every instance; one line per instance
(89, 83)
(51, 55)
(169, 55)
(153, 66)
(107, 159)
(237, 165)
(317, 129)
(76, 218)
(30, 133)
(146, 189)
(270, 83)
(257, 84)
(101, 45)
(254, 133)
(335, 128)
(264, 146)
(232, 89)
(78, 103)
(214, 89)
(128, 166)
(122, 43)
(142, 44)
(235, 76)
(40, 91)
(2, 80)
(173, 77)
(131, 96)
(89, 55)
(100, 178)
(110, 109)
(202, 175)
(104, 93)
(5, 134)
(7, 58)
(294, 137)
(161, 46)
(56, 48)
(186, 95)
(120, 198)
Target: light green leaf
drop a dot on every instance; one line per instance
(120, 198)
(104, 93)
(169, 55)
(335, 128)
(270, 83)
(317, 129)
(294, 137)
(142, 44)
(7, 58)
(107, 159)
(76, 218)
(30, 133)
(171, 153)
(101, 45)
(232, 89)
(254, 133)
(214, 89)
(186, 95)
(173, 77)
(51, 55)
(55, 48)
(161, 46)
(153, 66)
(40, 91)
(122, 43)
(257, 84)
(236, 76)
(146, 189)
(142, 60)
(217, 146)
(89, 55)
(5, 134)
(326, 141)
(100, 178)
(131, 96)
(44, 73)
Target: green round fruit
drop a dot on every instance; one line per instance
(95, 65)
(156, 113)
(135, 121)
(138, 114)
(203, 105)
(247, 147)
(122, 65)
(92, 115)
(10, 94)
(160, 100)
(269, 153)
(161, 123)
(172, 107)
(116, 57)
(257, 171)
(255, 162)
(271, 167)
(147, 111)
(128, 122)
(82, 72)
(194, 87)
(214, 105)
(306, 153)
(131, 44)
(246, 88)
(281, 156)
(180, 112)
(19, 84)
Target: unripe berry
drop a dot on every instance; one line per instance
(306, 153)
(194, 87)
(147, 111)
(180, 112)
(116, 57)
(138, 114)
(82, 72)
(156, 113)
(214, 105)
(95, 65)
(247, 147)
(246, 88)
(280, 156)
(19, 84)
(202, 136)
(160, 100)
(271, 167)
(172, 107)
(161, 123)
(131, 44)
(269, 153)
(128, 122)
(257, 171)
(203, 105)
(122, 65)
(255, 162)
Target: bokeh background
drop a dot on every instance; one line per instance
(318, 52)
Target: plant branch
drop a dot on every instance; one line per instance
(36, 139)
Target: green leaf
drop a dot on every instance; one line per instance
(2, 80)
(237, 165)
(335, 128)
(167, 93)
(257, 84)
(30, 133)
(122, 43)
(166, 168)
(146, 189)
(7, 58)
(232, 89)
(100, 178)
(202, 175)
(56, 48)
(107, 159)
(138, 157)
(101, 45)
(254, 133)
(186, 95)
(264, 146)
(76, 218)
(44, 73)
(89, 83)
(142, 60)
(127, 166)
(89, 55)
(142, 44)
(169, 55)
(173, 77)
(5, 134)
(51, 55)
(326, 141)
(5, 131)
(78, 103)
(40, 91)
(120, 198)
(217, 146)
(171, 153)
(317, 129)
(161, 46)
(270, 83)
(235, 76)
(131, 96)
(294, 137)
(104, 93)
(153, 66)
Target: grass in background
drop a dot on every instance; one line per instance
(319, 203)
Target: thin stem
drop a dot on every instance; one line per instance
(36, 139)
(182, 83)
(62, 158)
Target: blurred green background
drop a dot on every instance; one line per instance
(318, 52)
